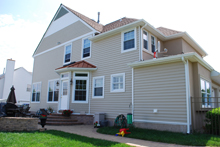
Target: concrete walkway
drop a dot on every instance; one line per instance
(90, 131)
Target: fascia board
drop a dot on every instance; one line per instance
(74, 69)
(193, 57)
(117, 30)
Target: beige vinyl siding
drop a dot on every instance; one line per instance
(160, 87)
(188, 48)
(107, 56)
(204, 73)
(68, 33)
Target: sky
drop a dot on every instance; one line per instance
(23, 22)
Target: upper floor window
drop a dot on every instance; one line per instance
(67, 53)
(53, 91)
(86, 48)
(153, 44)
(118, 82)
(128, 42)
(36, 90)
(206, 94)
(145, 38)
(98, 87)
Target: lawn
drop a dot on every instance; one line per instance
(166, 137)
(52, 138)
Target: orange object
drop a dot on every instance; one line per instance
(123, 131)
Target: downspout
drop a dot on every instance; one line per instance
(132, 93)
(141, 43)
(187, 93)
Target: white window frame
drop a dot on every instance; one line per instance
(103, 85)
(32, 92)
(111, 86)
(147, 41)
(64, 63)
(83, 48)
(208, 106)
(53, 91)
(87, 87)
(151, 42)
(122, 41)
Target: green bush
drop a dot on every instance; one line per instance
(213, 121)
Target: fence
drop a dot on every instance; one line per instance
(205, 115)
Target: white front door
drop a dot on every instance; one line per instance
(64, 95)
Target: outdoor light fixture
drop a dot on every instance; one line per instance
(57, 83)
(71, 81)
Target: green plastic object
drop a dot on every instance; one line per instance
(129, 118)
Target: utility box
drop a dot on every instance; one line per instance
(99, 116)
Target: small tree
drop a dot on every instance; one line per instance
(213, 121)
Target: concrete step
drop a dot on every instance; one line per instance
(58, 117)
(61, 120)
(62, 123)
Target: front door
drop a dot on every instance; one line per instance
(64, 95)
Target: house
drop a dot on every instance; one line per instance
(86, 66)
(20, 78)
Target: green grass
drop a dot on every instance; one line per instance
(52, 138)
(166, 137)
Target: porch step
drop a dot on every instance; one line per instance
(62, 123)
(57, 117)
(61, 120)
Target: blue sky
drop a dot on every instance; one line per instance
(23, 22)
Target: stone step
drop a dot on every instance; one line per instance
(58, 117)
(62, 123)
(61, 120)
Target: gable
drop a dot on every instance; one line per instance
(61, 13)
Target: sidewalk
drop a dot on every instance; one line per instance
(90, 131)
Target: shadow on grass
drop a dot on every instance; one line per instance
(93, 141)
(166, 137)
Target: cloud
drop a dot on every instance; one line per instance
(18, 40)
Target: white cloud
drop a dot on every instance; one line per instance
(18, 40)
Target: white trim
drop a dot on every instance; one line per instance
(32, 92)
(53, 91)
(132, 93)
(111, 86)
(69, 75)
(70, 44)
(90, 54)
(122, 40)
(62, 44)
(87, 87)
(160, 122)
(147, 40)
(89, 97)
(74, 69)
(93, 87)
(151, 42)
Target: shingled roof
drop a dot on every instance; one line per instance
(167, 32)
(103, 28)
(79, 64)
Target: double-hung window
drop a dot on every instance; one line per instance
(145, 40)
(206, 94)
(86, 48)
(53, 91)
(67, 53)
(36, 89)
(98, 87)
(152, 44)
(128, 40)
(118, 82)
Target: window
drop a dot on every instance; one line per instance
(206, 94)
(153, 44)
(36, 92)
(118, 82)
(98, 87)
(86, 48)
(128, 43)
(53, 91)
(80, 88)
(28, 88)
(67, 53)
(145, 38)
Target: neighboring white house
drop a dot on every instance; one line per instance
(20, 78)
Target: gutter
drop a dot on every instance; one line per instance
(187, 93)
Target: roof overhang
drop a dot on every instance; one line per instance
(193, 57)
(153, 30)
(62, 70)
(215, 76)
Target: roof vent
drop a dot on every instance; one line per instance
(98, 17)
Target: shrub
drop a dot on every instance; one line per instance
(213, 121)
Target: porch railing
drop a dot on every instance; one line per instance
(205, 115)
